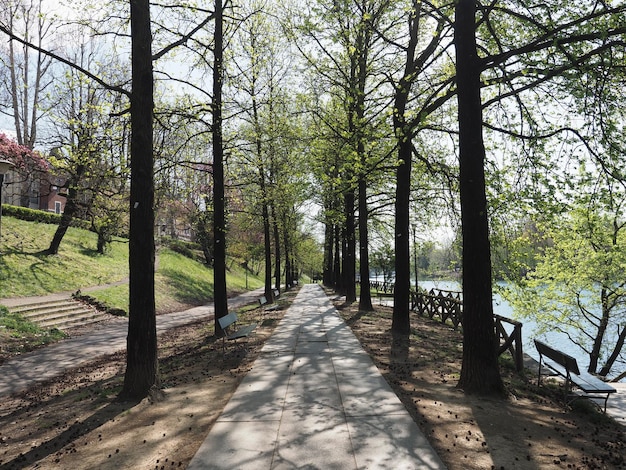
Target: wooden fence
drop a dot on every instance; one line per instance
(448, 306)
(512, 342)
(380, 286)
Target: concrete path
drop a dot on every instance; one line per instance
(314, 400)
(21, 372)
(616, 406)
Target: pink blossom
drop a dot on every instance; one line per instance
(21, 156)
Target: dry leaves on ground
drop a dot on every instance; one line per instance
(529, 430)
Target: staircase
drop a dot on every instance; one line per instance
(63, 313)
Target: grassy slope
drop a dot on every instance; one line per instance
(25, 271)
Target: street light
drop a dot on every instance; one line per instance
(5, 166)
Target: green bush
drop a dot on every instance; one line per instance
(36, 215)
(185, 248)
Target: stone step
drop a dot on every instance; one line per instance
(37, 312)
(67, 323)
(62, 314)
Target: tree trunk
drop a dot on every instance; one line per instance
(480, 372)
(363, 43)
(349, 255)
(365, 297)
(141, 363)
(337, 262)
(619, 345)
(594, 356)
(69, 212)
(267, 247)
(277, 251)
(288, 253)
(219, 203)
(401, 325)
(329, 230)
(415, 261)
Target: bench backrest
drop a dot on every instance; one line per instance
(563, 359)
(227, 320)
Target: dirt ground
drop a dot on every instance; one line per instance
(77, 423)
(529, 430)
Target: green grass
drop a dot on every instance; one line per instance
(26, 271)
(180, 279)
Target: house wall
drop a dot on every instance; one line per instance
(42, 194)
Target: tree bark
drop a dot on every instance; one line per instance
(329, 231)
(401, 325)
(480, 372)
(594, 355)
(337, 278)
(277, 251)
(267, 245)
(69, 212)
(363, 44)
(219, 203)
(365, 297)
(619, 345)
(349, 255)
(141, 375)
(288, 252)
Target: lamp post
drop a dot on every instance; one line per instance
(5, 166)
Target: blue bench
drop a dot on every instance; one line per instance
(567, 367)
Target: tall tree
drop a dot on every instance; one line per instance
(404, 133)
(219, 196)
(141, 376)
(406, 125)
(480, 371)
(255, 83)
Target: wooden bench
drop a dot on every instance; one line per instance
(567, 367)
(227, 323)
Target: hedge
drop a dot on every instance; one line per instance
(36, 215)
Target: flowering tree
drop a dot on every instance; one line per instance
(26, 161)
(29, 166)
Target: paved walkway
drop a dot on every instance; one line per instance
(314, 400)
(616, 406)
(22, 371)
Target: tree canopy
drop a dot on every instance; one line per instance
(502, 121)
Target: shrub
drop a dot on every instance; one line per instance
(36, 215)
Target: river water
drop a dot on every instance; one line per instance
(529, 329)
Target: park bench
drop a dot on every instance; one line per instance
(567, 367)
(263, 301)
(380, 295)
(228, 323)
